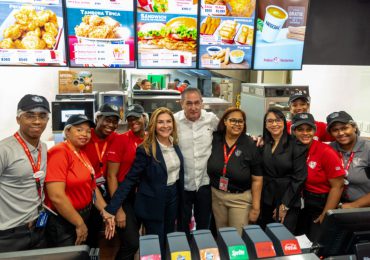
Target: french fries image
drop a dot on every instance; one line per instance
(223, 56)
(227, 56)
(210, 25)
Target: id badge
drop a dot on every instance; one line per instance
(94, 197)
(224, 182)
(42, 219)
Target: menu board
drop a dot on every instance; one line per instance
(167, 33)
(281, 29)
(226, 34)
(101, 33)
(31, 33)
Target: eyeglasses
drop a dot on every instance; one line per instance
(276, 120)
(33, 116)
(196, 103)
(235, 121)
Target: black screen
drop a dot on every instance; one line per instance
(338, 33)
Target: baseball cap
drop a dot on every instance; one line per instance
(29, 102)
(108, 110)
(299, 95)
(176, 79)
(187, 82)
(134, 110)
(79, 119)
(303, 118)
(341, 117)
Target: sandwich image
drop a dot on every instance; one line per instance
(150, 34)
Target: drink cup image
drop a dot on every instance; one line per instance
(274, 20)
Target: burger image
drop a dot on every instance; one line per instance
(150, 34)
(180, 34)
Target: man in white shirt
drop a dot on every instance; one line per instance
(195, 127)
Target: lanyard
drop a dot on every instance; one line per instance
(346, 167)
(227, 158)
(100, 155)
(35, 167)
(84, 161)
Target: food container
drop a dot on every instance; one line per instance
(213, 50)
(237, 56)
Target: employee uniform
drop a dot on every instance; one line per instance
(195, 141)
(321, 134)
(231, 203)
(358, 166)
(123, 151)
(96, 150)
(323, 164)
(19, 197)
(161, 184)
(65, 166)
(285, 172)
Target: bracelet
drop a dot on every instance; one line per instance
(340, 205)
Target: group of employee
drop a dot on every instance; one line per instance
(179, 165)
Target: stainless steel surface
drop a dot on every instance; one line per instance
(256, 99)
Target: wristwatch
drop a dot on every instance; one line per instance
(285, 208)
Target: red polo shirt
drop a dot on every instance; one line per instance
(323, 163)
(123, 151)
(64, 166)
(92, 152)
(321, 133)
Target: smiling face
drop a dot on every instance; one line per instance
(32, 125)
(299, 106)
(304, 133)
(274, 124)
(234, 123)
(344, 134)
(136, 124)
(164, 126)
(79, 135)
(106, 125)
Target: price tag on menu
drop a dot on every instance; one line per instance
(167, 59)
(214, 9)
(102, 54)
(54, 2)
(30, 56)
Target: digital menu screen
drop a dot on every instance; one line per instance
(167, 33)
(226, 34)
(32, 33)
(281, 29)
(100, 33)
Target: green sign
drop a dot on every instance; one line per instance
(238, 252)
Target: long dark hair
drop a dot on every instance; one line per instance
(267, 137)
(221, 128)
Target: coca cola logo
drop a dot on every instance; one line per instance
(290, 247)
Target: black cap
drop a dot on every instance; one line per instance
(29, 102)
(79, 119)
(299, 95)
(176, 80)
(187, 82)
(302, 118)
(109, 110)
(134, 110)
(341, 117)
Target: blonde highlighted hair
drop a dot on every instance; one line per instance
(150, 140)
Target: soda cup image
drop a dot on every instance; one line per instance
(180, 257)
(209, 256)
(275, 18)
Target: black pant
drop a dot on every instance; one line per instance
(21, 238)
(201, 200)
(129, 235)
(313, 207)
(290, 220)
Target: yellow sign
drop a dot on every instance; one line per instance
(182, 255)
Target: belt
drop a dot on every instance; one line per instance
(85, 212)
(231, 191)
(28, 227)
(315, 195)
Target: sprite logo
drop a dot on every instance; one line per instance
(238, 252)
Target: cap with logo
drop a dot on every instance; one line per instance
(186, 81)
(299, 95)
(301, 119)
(176, 80)
(29, 102)
(341, 117)
(108, 110)
(79, 119)
(134, 110)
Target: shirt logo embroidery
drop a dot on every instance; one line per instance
(356, 161)
(334, 115)
(238, 153)
(315, 138)
(37, 99)
(337, 168)
(312, 164)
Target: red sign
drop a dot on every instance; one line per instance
(291, 247)
(265, 249)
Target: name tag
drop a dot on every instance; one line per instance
(39, 174)
(42, 219)
(224, 182)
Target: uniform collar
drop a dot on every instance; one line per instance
(182, 116)
(30, 146)
(357, 148)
